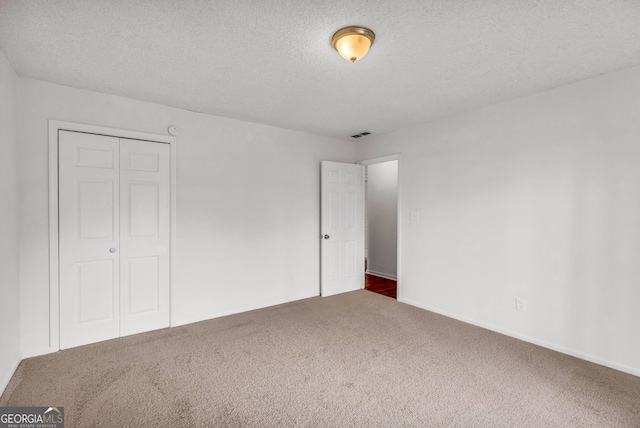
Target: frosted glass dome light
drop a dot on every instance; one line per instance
(352, 43)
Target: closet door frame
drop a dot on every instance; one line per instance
(55, 126)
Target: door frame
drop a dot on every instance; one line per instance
(54, 284)
(382, 159)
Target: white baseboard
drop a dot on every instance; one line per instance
(7, 377)
(535, 341)
(382, 275)
(30, 353)
(239, 310)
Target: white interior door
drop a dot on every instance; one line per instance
(113, 237)
(342, 228)
(144, 236)
(88, 238)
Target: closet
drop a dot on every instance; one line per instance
(114, 232)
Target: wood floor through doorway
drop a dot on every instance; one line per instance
(384, 286)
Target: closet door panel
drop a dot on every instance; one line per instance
(144, 236)
(89, 232)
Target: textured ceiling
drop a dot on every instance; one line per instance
(272, 62)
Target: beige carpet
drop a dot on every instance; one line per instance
(358, 359)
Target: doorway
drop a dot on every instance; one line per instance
(381, 226)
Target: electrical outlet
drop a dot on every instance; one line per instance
(521, 304)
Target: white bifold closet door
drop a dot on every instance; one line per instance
(113, 237)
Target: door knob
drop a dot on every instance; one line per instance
(112, 250)
(326, 237)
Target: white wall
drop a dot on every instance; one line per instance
(247, 204)
(382, 215)
(536, 198)
(9, 288)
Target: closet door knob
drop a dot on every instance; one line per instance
(112, 250)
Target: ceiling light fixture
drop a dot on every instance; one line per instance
(352, 43)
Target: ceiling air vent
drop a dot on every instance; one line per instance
(362, 134)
